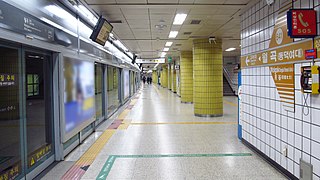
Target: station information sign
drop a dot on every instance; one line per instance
(302, 23)
(150, 61)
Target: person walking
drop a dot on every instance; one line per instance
(144, 80)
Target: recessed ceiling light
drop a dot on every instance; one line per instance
(179, 19)
(173, 34)
(165, 49)
(230, 49)
(169, 43)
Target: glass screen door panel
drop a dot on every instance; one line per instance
(10, 115)
(98, 89)
(39, 125)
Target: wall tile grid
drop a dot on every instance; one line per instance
(266, 125)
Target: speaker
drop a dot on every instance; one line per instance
(134, 59)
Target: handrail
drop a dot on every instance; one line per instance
(232, 83)
(227, 75)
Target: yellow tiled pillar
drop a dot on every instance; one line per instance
(207, 82)
(186, 72)
(164, 76)
(174, 79)
(169, 77)
(154, 77)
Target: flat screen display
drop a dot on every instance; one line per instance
(79, 95)
(101, 31)
(126, 85)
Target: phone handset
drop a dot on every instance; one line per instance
(304, 81)
(305, 24)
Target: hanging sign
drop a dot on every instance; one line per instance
(302, 23)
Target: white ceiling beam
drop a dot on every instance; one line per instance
(189, 6)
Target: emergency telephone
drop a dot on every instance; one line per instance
(309, 79)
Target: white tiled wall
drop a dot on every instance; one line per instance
(266, 125)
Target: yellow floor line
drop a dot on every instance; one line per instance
(231, 103)
(160, 123)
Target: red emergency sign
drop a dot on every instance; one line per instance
(302, 23)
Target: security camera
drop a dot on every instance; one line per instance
(212, 39)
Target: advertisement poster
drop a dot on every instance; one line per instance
(79, 99)
(126, 84)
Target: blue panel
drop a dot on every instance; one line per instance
(239, 126)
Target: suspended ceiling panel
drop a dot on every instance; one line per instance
(145, 24)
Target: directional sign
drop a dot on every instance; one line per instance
(150, 61)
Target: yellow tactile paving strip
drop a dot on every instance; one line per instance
(80, 167)
(133, 102)
(124, 114)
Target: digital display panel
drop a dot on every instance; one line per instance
(126, 85)
(101, 31)
(79, 95)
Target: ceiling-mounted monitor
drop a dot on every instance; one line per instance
(101, 31)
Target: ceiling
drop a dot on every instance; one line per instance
(135, 22)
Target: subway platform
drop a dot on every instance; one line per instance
(158, 137)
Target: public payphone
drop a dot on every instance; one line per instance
(309, 80)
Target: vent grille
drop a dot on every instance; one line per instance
(187, 33)
(195, 22)
(115, 22)
(178, 44)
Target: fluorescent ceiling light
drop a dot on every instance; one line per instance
(58, 26)
(230, 49)
(57, 11)
(163, 54)
(179, 19)
(169, 43)
(84, 11)
(173, 34)
(165, 49)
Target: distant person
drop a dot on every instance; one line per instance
(144, 79)
(150, 80)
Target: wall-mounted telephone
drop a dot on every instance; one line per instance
(309, 80)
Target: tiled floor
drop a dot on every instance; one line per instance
(182, 150)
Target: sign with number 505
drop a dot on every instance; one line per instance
(302, 23)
